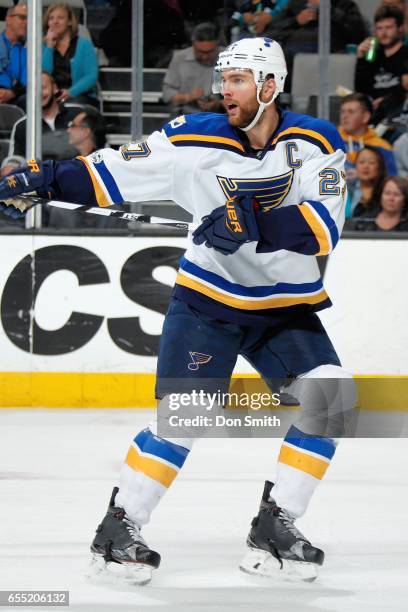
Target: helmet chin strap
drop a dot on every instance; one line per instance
(261, 108)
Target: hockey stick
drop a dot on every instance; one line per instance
(26, 202)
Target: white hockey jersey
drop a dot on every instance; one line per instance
(200, 161)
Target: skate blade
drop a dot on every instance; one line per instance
(111, 573)
(261, 563)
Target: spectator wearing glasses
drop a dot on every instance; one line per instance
(188, 80)
(55, 119)
(87, 132)
(70, 58)
(13, 58)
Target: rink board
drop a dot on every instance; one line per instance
(82, 315)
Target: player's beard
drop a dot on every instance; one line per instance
(245, 115)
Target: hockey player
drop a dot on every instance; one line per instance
(266, 188)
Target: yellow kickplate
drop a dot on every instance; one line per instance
(119, 390)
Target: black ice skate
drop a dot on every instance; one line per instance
(118, 549)
(276, 546)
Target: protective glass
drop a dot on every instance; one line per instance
(235, 81)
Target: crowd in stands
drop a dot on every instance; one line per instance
(184, 38)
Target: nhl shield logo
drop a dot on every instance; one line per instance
(198, 359)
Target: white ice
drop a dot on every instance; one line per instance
(57, 469)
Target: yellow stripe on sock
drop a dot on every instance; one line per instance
(150, 467)
(301, 461)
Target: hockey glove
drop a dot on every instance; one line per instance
(230, 226)
(36, 176)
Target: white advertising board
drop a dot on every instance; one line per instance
(119, 287)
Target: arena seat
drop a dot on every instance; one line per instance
(341, 73)
(115, 85)
(8, 117)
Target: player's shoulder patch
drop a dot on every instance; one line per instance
(135, 150)
(319, 132)
(203, 130)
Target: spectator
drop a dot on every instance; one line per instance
(188, 80)
(392, 113)
(355, 115)
(364, 192)
(382, 76)
(402, 6)
(70, 58)
(401, 154)
(254, 16)
(87, 132)
(10, 163)
(393, 213)
(296, 27)
(55, 118)
(12, 54)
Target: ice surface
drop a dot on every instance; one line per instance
(57, 469)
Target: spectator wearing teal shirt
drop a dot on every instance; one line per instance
(71, 59)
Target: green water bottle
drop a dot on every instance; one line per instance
(372, 50)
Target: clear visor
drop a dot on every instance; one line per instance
(235, 81)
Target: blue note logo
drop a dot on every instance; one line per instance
(269, 192)
(198, 359)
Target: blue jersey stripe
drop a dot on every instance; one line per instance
(321, 446)
(173, 453)
(325, 215)
(109, 182)
(236, 289)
